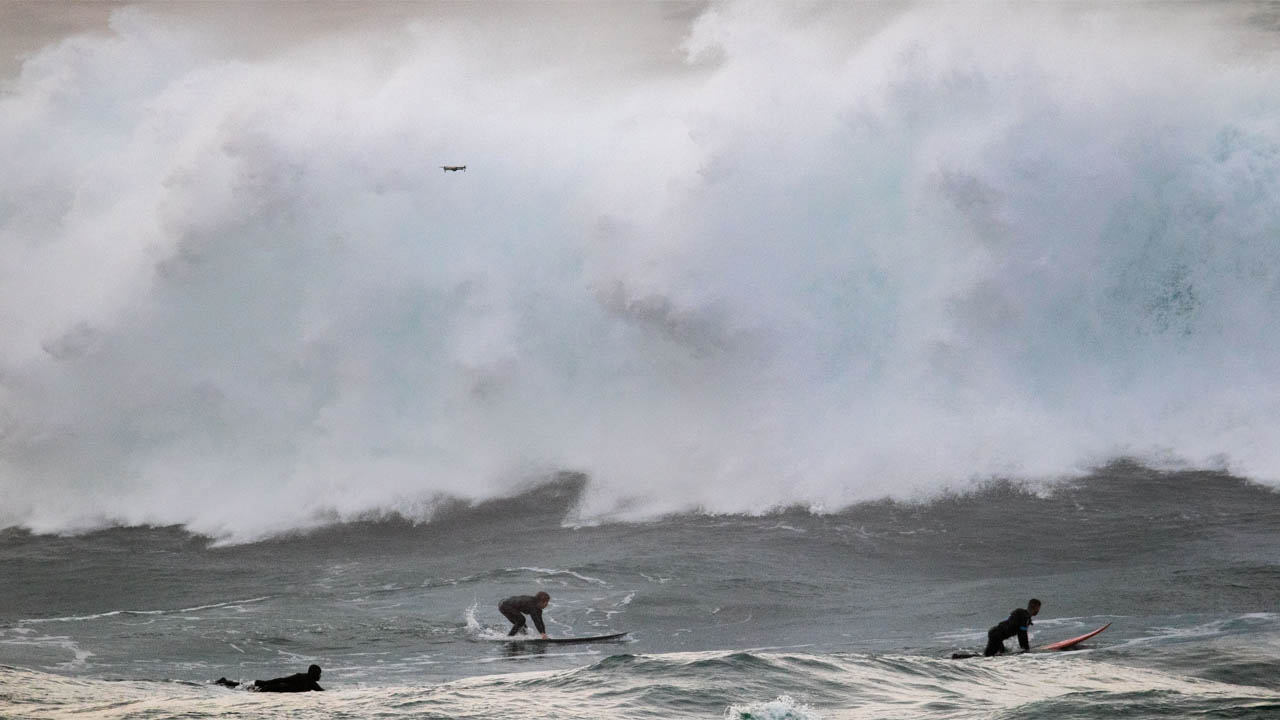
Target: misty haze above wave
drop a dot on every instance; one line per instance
(731, 257)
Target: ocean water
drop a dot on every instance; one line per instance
(801, 341)
(789, 614)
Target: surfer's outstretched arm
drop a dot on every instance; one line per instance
(1033, 609)
(542, 601)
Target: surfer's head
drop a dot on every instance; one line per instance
(1033, 606)
(543, 599)
(313, 672)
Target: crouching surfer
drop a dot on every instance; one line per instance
(1016, 624)
(515, 608)
(298, 682)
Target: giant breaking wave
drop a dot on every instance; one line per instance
(726, 259)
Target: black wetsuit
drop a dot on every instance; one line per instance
(298, 682)
(515, 608)
(1017, 624)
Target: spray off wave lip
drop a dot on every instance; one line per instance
(748, 258)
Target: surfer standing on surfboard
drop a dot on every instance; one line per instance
(515, 608)
(1017, 624)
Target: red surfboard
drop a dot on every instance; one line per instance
(1067, 644)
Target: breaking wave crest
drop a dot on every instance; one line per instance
(752, 257)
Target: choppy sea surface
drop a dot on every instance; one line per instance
(780, 283)
(785, 615)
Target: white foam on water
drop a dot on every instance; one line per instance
(752, 256)
(478, 631)
(871, 687)
(782, 708)
(560, 571)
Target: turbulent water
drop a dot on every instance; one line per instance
(802, 341)
(792, 614)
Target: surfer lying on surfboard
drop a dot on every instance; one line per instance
(298, 682)
(515, 608)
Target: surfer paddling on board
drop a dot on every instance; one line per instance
(297, 682)
(515, 608)
(1017, 623)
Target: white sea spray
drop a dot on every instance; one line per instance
(753, 256)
